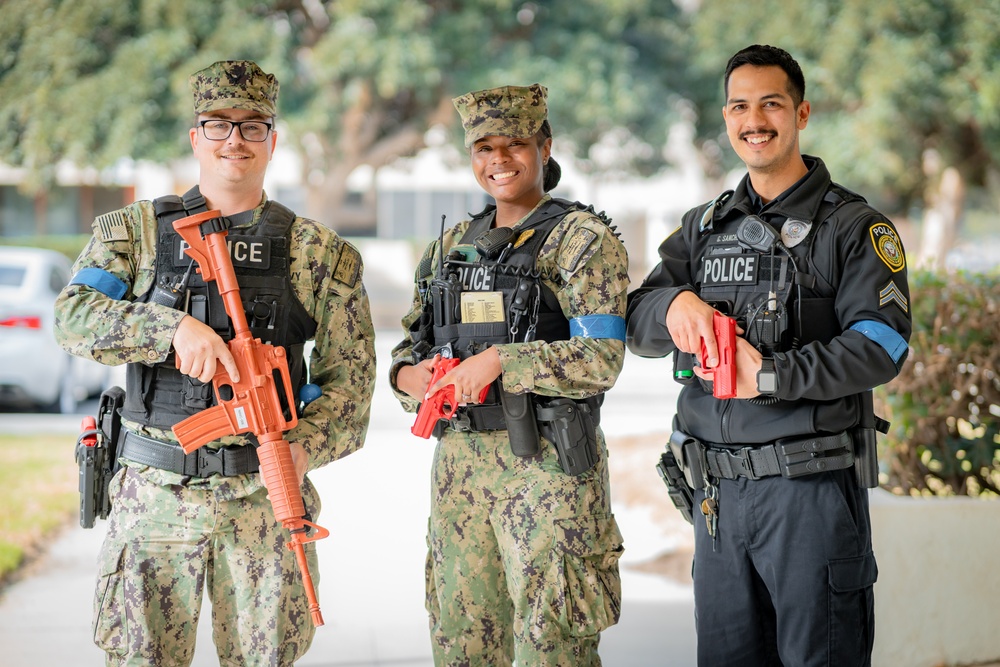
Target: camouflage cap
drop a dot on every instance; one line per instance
(508, 111)
(235, 84)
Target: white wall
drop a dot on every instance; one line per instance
(938, 589)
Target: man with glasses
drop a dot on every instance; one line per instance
(181, 524)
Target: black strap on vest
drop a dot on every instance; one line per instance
(203, 462)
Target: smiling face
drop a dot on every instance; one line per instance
(510, 170)
(763, 121)
(233, 164)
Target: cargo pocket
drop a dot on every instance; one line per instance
(110, 623)
(589, 549)
(852, 608)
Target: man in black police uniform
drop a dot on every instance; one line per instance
(816, 279)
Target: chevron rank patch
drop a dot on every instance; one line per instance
(112, 226)
(348, 266)
(575, 247)
(892, 294)
(887, 246)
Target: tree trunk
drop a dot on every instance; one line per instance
(945, 203)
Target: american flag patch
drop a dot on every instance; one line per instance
(112, 226)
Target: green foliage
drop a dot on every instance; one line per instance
(945, 403)
(93, 81)
(887, 82)
(37, 491)
(68, 244)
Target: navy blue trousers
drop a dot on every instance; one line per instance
(788, 581)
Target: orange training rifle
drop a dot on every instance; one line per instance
(254, 404)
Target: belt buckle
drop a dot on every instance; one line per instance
(210, 462)
(741, 464)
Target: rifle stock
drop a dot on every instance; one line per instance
(254, 404)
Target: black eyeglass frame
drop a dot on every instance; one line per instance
(233, 124)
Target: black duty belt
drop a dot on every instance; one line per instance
(790, 457)
(491, 417)
(203, 462)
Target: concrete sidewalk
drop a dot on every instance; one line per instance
(375, 504)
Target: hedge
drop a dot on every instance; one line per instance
(944, 406)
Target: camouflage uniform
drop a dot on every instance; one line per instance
(169, 536)
(522, 558)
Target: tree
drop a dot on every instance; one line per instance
(93, 81)
(906, 101)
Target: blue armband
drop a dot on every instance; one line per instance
(598, 326)
(100, 280)
(884, 335)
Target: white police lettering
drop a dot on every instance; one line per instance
(477, 278)
(731, 270)
(243, 251)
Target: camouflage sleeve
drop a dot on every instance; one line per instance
(402, 354)
(327, 273)
(90, 323)
(588, 267)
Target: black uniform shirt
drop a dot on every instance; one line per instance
(854, 282)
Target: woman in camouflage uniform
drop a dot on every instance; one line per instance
(523, 548)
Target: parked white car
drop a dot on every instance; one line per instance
(34, 371)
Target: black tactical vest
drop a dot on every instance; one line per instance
(529, 309)
(159, 396)
(775, 295)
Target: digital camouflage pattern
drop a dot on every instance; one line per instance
(548, 540)
(164, 526)
(508, 111)
(234, 84)
(188, 538)
(115, 332)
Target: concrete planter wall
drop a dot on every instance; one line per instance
(937, 600)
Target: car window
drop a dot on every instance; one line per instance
(12, 276)
(58, 279)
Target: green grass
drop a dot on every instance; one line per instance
(38, 493)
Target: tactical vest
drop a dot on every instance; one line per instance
(505, 299)
(776, 295)
(159, 396)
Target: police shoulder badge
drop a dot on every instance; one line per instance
(887, 246)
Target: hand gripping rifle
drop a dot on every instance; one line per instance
(254, 404)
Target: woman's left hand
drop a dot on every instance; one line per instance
(470, 376)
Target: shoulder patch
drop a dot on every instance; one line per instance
(575, 246)
(887, 246)
(348, 266)
(112, 226)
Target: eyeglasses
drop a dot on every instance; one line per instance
(219, 130)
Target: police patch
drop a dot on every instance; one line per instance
(892, 294)
(112, 226)
(348, 266)
(887, 246)
(574, 248)
(730, 270)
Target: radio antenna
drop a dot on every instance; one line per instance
(441, 247)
